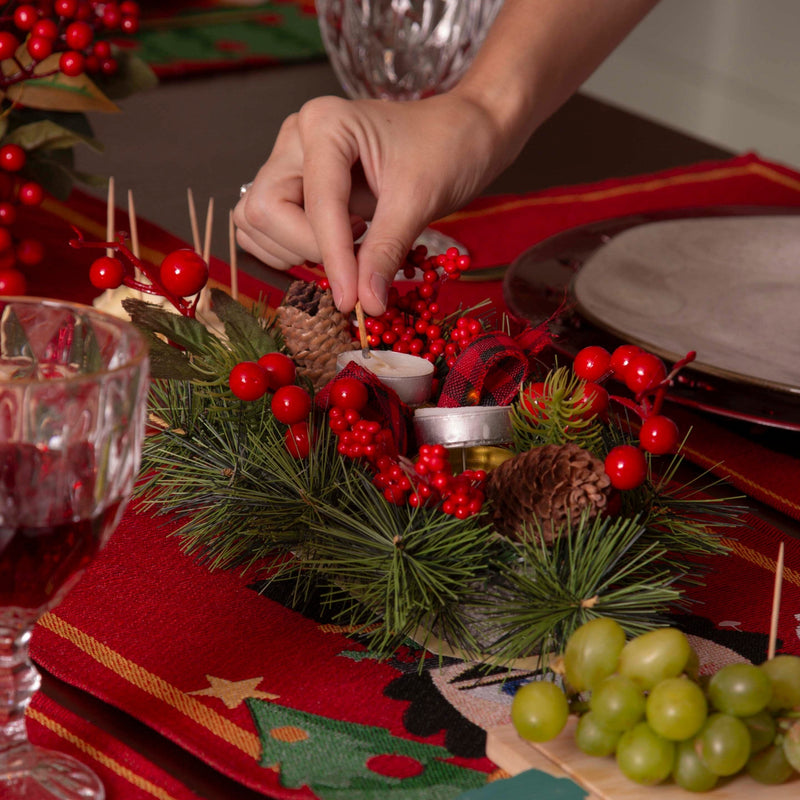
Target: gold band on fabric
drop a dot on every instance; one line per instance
(155, 686)
(759, 559)
(99, 756)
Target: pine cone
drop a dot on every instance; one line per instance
(553, 484)
(315, 331)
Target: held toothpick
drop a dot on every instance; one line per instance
(233, 257)
(362, 330)
(776, 604)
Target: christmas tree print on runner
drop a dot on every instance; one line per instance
(370, 763)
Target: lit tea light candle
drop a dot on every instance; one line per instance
(410, 376)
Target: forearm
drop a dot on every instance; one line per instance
(537, 54)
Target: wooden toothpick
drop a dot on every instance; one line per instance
(776, 604)
(133, 226)
(207, 232)
(193, 222)
(233, 257)
(110, 216)
(362, 330)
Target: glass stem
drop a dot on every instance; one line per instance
(19, 679)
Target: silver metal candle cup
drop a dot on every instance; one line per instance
(467, 426)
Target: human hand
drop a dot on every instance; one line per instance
(339, 162)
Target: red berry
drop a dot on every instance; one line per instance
(102, 50)
(644, 372)
(12, 157)
(109, 66)
(592, 363)
(111, 16)
(291, 404)
(129, 25)
(534, 400)
(659, 435)
(183, 272)
(8, 211)
(8, 45)
(39, 47)
(6, 240)
(621, 358)
(66, 8)
(72, 63)
(348, 393)
(593, 400)
(46, 28)
(129, 8)
(29, 251)
(78, 35)
(626, 466)
(12, 282)
(280, 369)
(296, 440)
(31, 194)
(26, 16)
(248, 381)
(106, 272)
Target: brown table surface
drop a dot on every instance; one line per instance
(212, 134)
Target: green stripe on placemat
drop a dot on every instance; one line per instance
(179, 39)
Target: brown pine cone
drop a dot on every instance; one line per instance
(552, 484)
(314, 330)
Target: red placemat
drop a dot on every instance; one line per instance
(297, 708)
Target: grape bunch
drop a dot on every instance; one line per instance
(643, 702)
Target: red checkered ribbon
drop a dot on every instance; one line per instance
(490, 370)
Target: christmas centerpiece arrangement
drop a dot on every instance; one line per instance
(59, 60)
(494, 517)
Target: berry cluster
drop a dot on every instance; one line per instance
(650, 710)
(290, 404)
(182, 273)
(69, 27)
(409, 324)
(645, 376)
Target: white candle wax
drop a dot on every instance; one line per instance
(410, 376)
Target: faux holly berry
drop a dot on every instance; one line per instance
(593, 400)
(297, 440)
(533, 400)
(592, 363)
(280, 369)
(659, 435)
(626, 466)
(621, 358)
(31, 193)
(183, 272)
(12, 283)
(644, 372)
(12, 157)
(348, 393)
(248, 381)
(106, 272)
(291, 404)
(29, 251)
(8, 45)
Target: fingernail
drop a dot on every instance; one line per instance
(380, 287)
(338, 294)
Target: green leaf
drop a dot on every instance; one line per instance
(169, 362)
(132, 75)
(48, 134)
(183, 331)
(53, 170)
(243, 328)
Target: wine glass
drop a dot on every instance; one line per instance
(73, 389)
(404, 50)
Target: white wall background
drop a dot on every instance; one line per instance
(726, 71)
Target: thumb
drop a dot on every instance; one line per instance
(387, 242)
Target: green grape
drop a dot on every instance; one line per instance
(770, 766)
(654, 656)
(690, 772)
(724, 744)
(676, 708)
(784, 672)
(539, 711)
(592, 738)
(618, 703)
(791, 745)
(592, 651)
(740, 689)
(643, 756)
(762, 730)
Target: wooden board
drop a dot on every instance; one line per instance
(601, 777)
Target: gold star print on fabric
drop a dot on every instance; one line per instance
(234, 693)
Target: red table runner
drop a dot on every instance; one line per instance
(296, 708)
